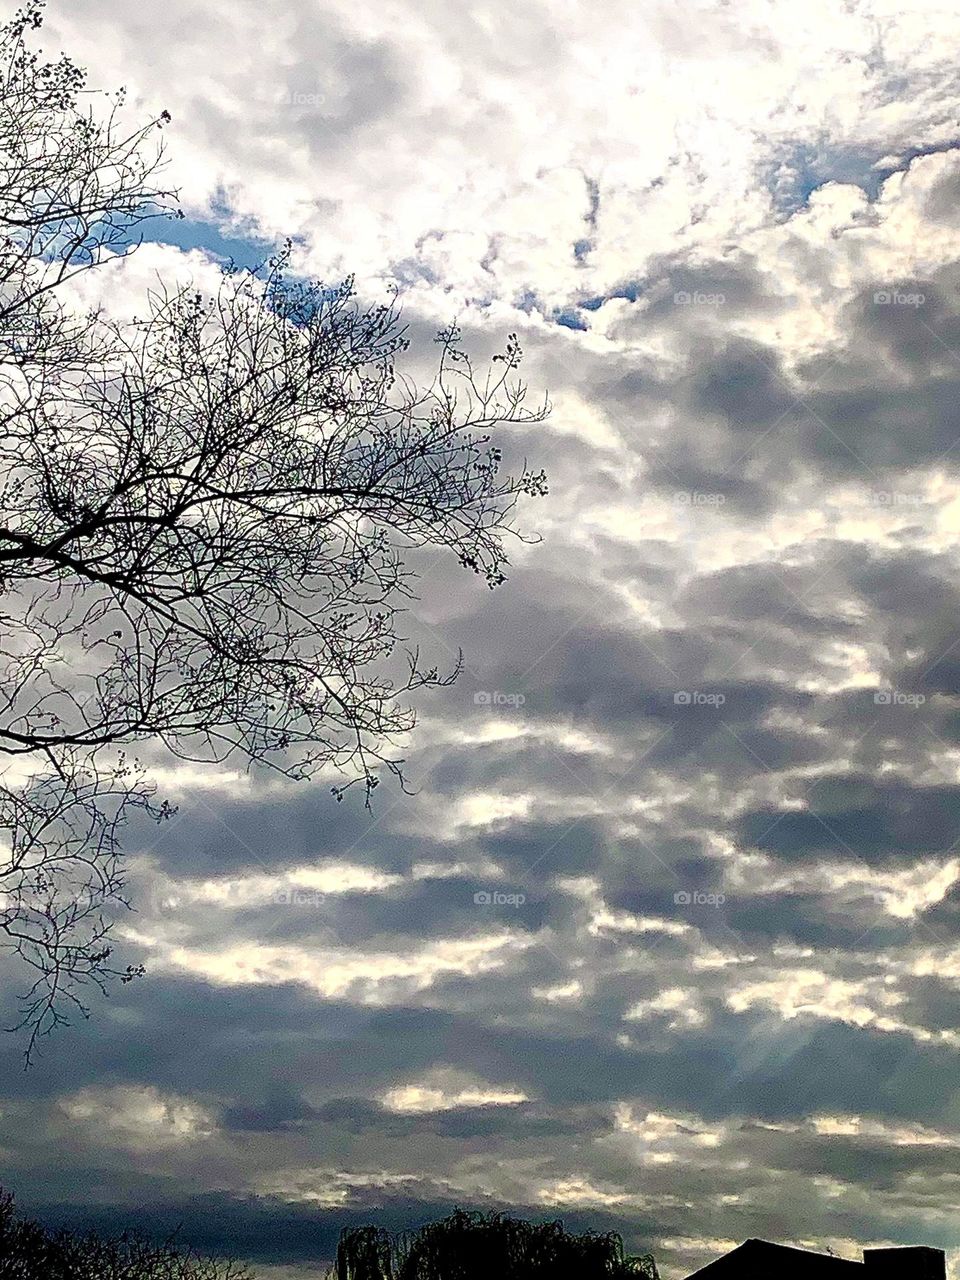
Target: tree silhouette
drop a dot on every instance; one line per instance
(476, 1246)
(207, 517)
(28, 1251)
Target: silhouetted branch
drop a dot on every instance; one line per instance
(206, 517)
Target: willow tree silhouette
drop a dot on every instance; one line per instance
(477, 1246)
(206, 518)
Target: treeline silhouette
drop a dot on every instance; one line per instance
(29, 1251)
(493, 1246)
(463, 1246)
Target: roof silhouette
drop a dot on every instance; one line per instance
(762, 1260)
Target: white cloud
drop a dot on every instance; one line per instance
(137, 1117)
(375, 977)
(445, 1090)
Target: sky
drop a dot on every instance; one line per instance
(666, 939)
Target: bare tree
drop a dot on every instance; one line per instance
(206, 519)
(29, 1251)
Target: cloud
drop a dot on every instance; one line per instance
(443, 1090)
(665, 940)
